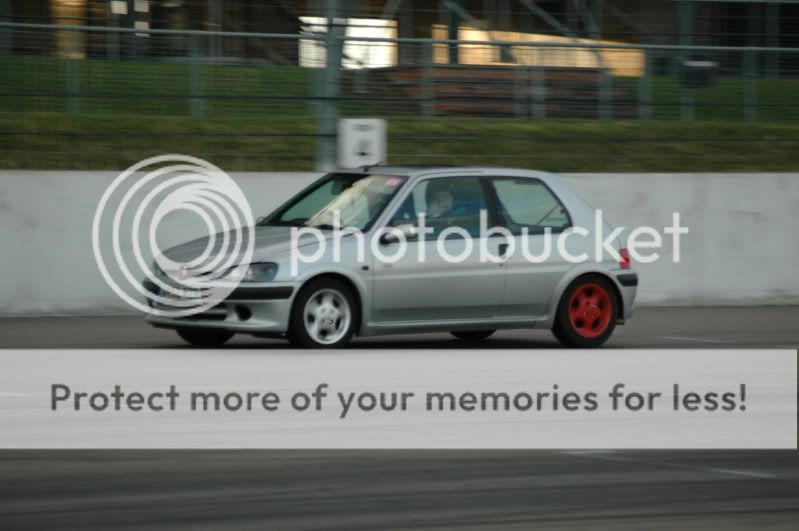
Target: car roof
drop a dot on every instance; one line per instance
(413, 171)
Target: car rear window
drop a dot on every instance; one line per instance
(529, 203)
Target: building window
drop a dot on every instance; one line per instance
(356, 54)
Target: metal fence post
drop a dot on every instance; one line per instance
(195, 81)
(539, 93)
(645, 89)
(686, 104)
(750, 91)
(327, 130)
(72, 84)
(605, 94)
(520, 92)
(6, 33)
(686, 93)
(772, 59)
(360, 80)
(426, 90)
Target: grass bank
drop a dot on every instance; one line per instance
(62, 141)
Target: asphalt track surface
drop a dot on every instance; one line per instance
(731, 327)
(379, 490)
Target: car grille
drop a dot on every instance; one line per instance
(217, 313)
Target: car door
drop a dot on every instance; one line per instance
(423, 285)
(527, 208)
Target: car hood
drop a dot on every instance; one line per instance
(269, 241)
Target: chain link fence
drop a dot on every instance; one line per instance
(72, 96)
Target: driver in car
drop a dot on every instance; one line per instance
(443, 208)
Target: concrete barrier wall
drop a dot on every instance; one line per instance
(741, 249)
(744, 230)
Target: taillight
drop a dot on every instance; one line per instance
(624, 259)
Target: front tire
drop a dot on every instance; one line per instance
(324, 315)
(204, 337)
(586, 315)
(473, 335)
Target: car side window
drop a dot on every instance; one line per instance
(445, 202)
(529, 203)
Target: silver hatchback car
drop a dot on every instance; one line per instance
(426, 249)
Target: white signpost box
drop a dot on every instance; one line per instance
(361, 142)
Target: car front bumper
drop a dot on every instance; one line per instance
(247, 309)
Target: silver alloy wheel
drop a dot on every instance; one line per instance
(327, 316)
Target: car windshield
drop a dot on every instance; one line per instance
(356, 199)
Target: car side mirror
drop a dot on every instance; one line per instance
(408, 232)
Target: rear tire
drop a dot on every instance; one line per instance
(324, 315)
(473, 335)
(204, 337)
(586, 315)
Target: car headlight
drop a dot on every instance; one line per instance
(157, 272)
(258, 272)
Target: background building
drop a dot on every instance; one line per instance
(702, 22)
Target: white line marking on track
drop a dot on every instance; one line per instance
(608, 455)
(693, 339)
(748, 473)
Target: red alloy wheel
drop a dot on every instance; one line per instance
(590, 310)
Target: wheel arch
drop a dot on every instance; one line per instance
(350, 283)
(567, 280)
